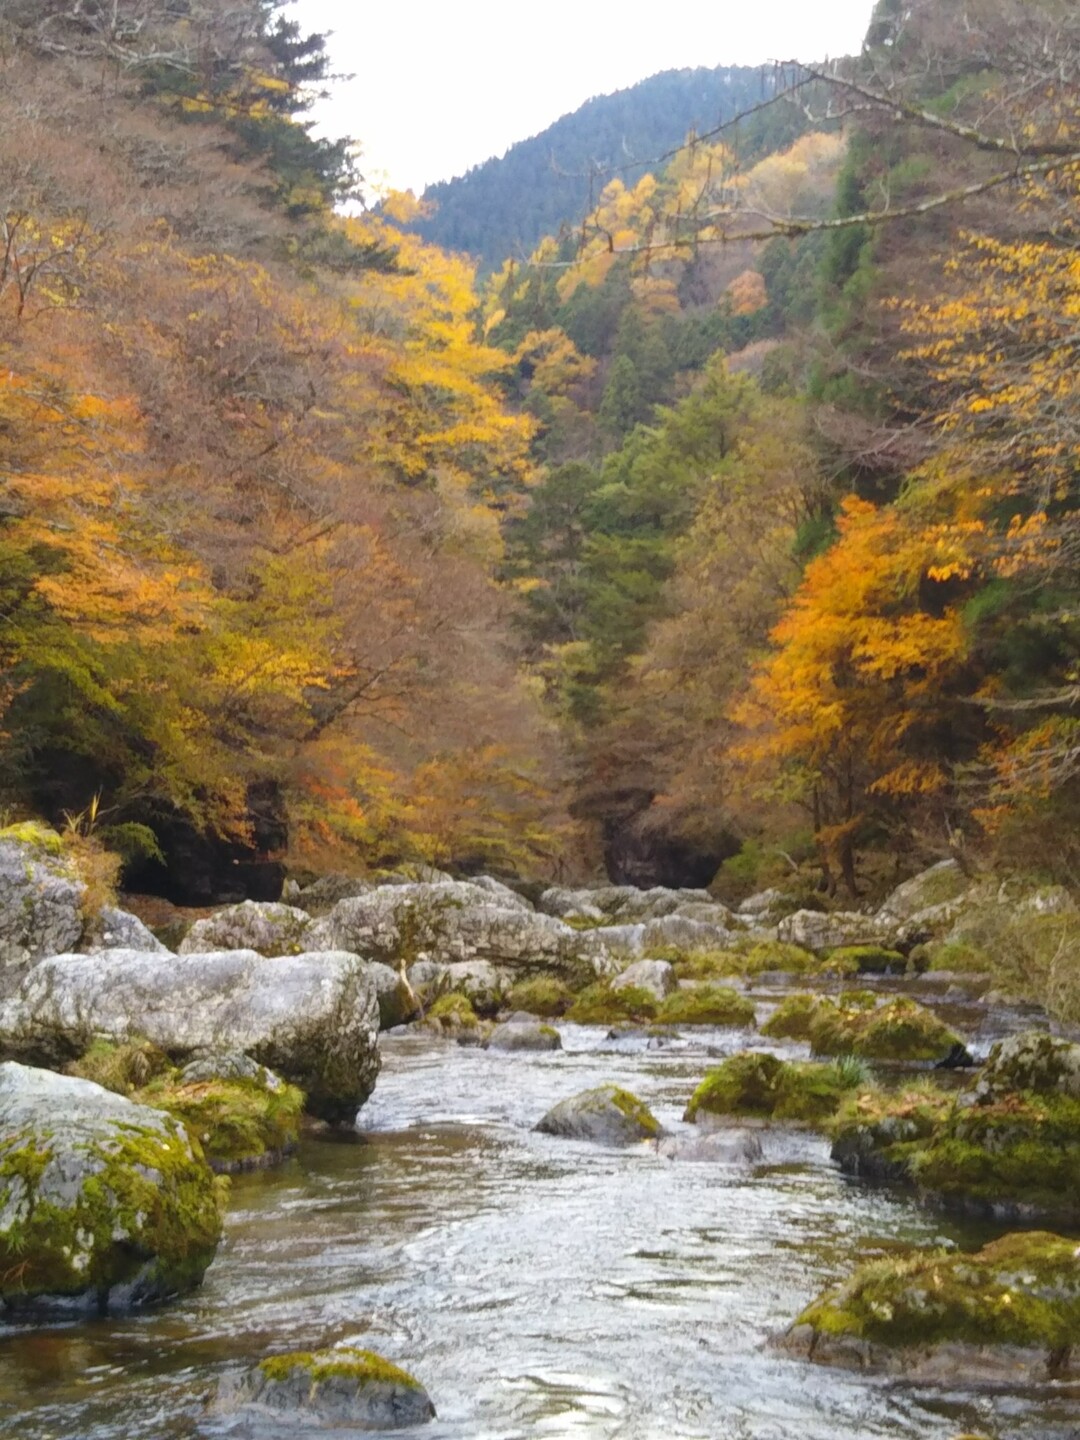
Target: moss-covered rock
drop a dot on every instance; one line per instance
(899, 1029)
(242, 1123)
(341, 1388)
(523, 1034)
(707, 1005)
(1011, 1309)
(599, 1004)
(545, 996)
(104, 1204)
(451, 1013)
(608, 1115)
(1008, 1154)
(756, 1083)
(877, 1132)
(702, 964)
(776, 955)
(792, 1017)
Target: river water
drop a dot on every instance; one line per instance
(538, 1287)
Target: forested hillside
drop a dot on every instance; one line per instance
(253, 462)
(548, 183)
(818, 598)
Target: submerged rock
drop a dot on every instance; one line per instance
(607, 1115)
(722, 1147)
(104, 1204)
(311, 1018)
(1009, 1312)
(340, 1389)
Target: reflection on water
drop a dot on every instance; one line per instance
(538, 1287)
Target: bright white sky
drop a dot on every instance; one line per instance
(440, 85)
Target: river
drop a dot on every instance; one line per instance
(538, 1287)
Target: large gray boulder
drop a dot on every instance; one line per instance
(343, 1390)
(312, 1018)
(812, 930)
(104, 1204)
(1032, 1061)
(480, 982)
(607, 1115)
(452, 922)
(40, 898)
(262, 925)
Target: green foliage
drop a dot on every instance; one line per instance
(756, 1083)
(599, 1004)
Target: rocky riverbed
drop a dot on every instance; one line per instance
(646, 1211)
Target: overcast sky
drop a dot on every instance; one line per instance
(440, 85)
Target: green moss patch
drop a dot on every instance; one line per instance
(599, 1004)
(544, 996)
(706, 1005)
(758, 1084)
(122, 1068)
(1022, 1290)
(362, 1366)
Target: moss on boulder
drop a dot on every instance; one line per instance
(756, 1083)
(599, 1004)
(241, 1123)
(899, 1029)
(1018, 1297)
(989, 1150)
(792, 1017)
(707, 1005)
(122, 1068)
(544, 995)
(104, 1204)
(341, 1388)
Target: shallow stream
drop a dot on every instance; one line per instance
(538, 1287)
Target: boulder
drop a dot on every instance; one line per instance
(1010, 1312)
(656, 976)
(40, 898)
(627, 904)
(483, 986)
(114, 929)
(452, 922)
(1033, 1061)
(311, 1018)
(897, 1029)
(104, 1204)
(812, 930)
(607, 1115)
(763, 904)
(524, 1034)
(707, 1005)
(266, 926)
(344, 1389)
(245, 1118)
(943, 884)
(323, 894)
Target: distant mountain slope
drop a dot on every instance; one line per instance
(505, 206)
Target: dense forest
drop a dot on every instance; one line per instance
(549, 182)
(734, 527)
